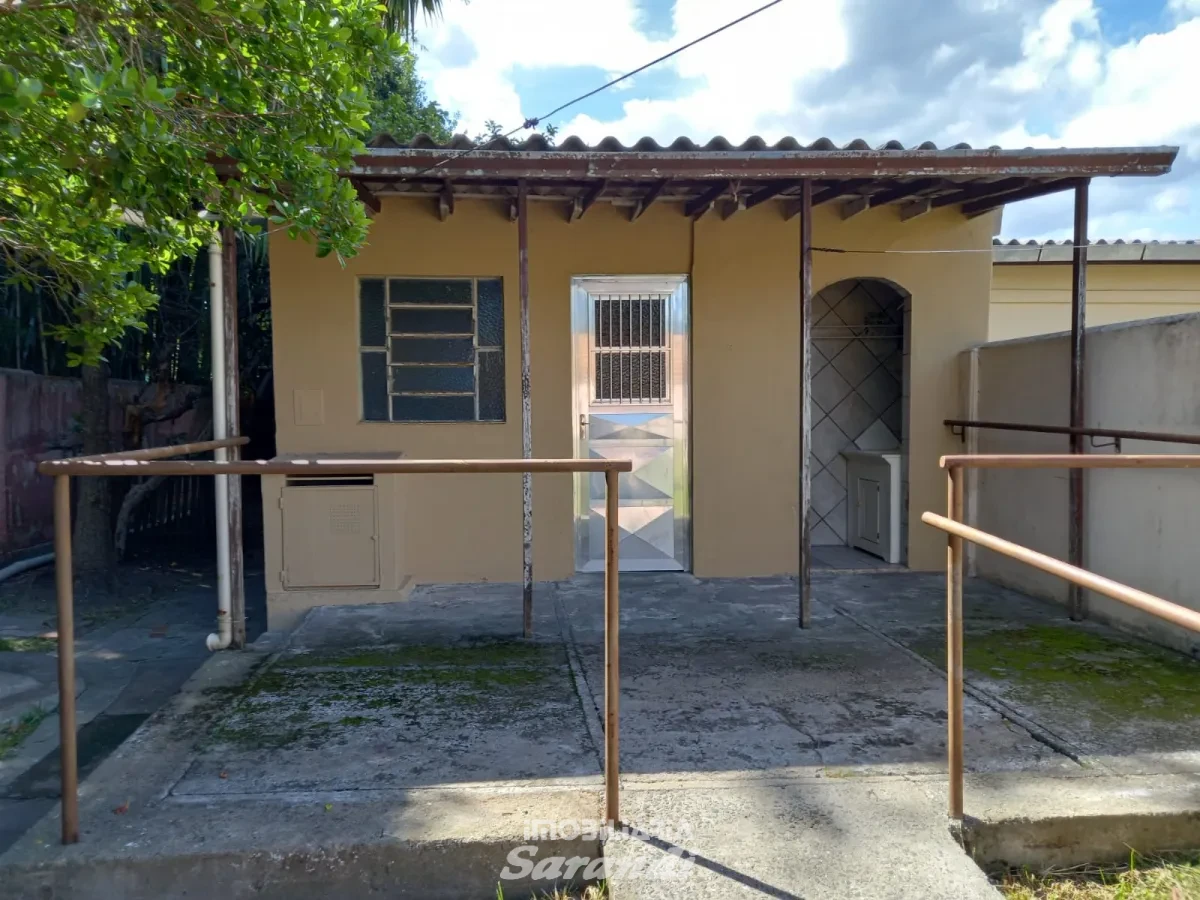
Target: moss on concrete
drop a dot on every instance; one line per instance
(27, 645)
(310, 699)
(14, 733)
(1078, 665)
(477, 653)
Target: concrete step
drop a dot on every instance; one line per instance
(426, 845)
(799, 838)
(1018, 819)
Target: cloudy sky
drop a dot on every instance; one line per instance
(1017, 73)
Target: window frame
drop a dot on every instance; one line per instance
(390, 336)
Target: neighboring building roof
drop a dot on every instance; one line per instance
(1098, 251)
(923, 177)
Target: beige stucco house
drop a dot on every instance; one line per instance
(666, 289)
(1031, 284)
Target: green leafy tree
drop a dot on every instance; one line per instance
(126, 124)
(492, 130)
(401, 107)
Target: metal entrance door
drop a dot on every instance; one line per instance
(631, 370)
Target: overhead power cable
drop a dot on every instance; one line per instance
(537, 120)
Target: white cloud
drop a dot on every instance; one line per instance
(741, 74)
(1170, 199)
(531, 33)
(1009, 72)
(1048, 44)
(1148, 93)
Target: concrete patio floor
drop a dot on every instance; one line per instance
(403, 750)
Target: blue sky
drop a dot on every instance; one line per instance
(1013, 73)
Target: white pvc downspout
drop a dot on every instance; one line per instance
(220, 430)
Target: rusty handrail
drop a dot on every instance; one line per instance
(1182, 616)
(1072, 461)
(957, 532)
(124, 464)
(164, 452)
(1117, 434)
(88, 466)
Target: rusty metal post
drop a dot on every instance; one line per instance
(954, 644)
(804, 576)
(233, 424)
(612, 666)
(1077, 599)
(526, 412)
(65, 588)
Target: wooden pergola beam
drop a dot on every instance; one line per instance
(587, 200)
(367, 197)
(648, 198)
(762, 195)
(856, 205)
(915, 208)
(1039, 189)
(526, 411)
(894, 192)
(735, 203)
(824, 195)
(978, 192)
(1076, 598)
(446, 201)
(699, 205)
(804, 575)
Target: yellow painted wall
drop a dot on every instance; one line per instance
(1036, 298)
(745, 338)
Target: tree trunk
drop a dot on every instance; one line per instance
(94, 551)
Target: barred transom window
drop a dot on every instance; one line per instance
(432, 349)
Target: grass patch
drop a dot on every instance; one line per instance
(1170, 878)
(27, 645)
(12, 734)
(590, 892)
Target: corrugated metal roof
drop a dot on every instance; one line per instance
(539, 144)
(1015, 251)
(730, 177)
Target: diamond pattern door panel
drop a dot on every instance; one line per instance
(647, 508)
(631, 390)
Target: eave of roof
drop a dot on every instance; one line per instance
(1101, 251)
(977, 180)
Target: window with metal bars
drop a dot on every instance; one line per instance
(630, 348)
(432, 349)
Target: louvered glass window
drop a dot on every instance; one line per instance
(432, 349)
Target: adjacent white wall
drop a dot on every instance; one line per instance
(1142, 527)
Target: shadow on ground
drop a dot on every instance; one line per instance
(789, 763)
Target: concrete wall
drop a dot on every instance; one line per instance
(38, 420)
(745, 338)
(1141, 525)
(1035, 298)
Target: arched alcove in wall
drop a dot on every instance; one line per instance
(859, 369)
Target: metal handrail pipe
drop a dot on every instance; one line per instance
(1121, 433)
(1155, 606)
(323, 467)
(1072, 461)
(164, 452)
